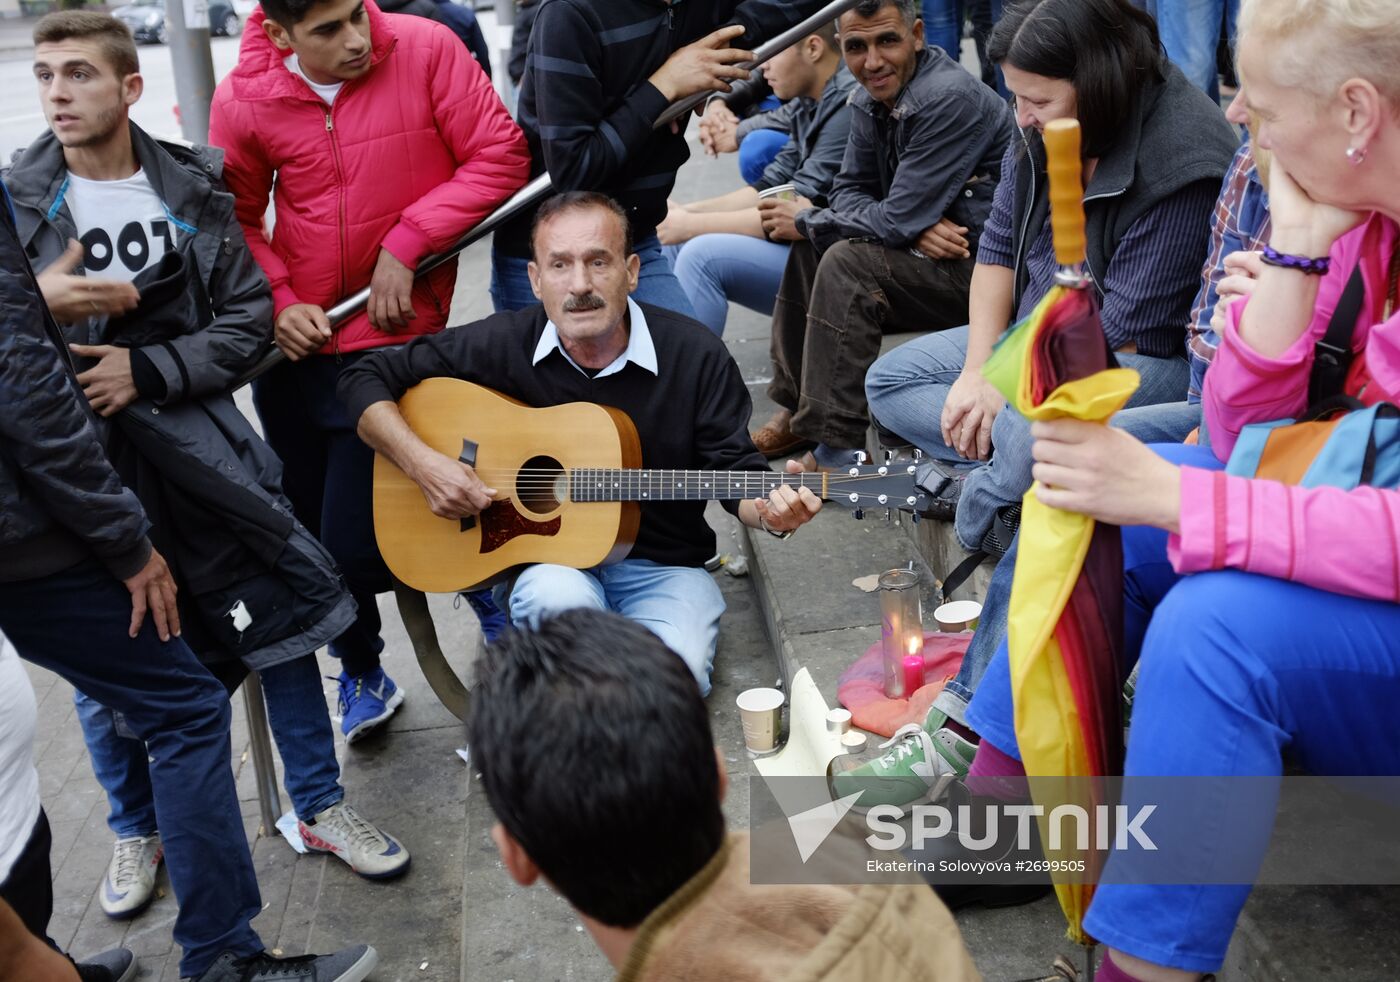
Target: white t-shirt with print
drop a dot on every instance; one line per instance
(19, 781)
(326, 92)
(122, 224)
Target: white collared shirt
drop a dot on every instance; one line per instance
(640, 349)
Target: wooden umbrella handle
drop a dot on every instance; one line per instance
(1066, 170)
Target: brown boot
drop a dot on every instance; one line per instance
(775, 437)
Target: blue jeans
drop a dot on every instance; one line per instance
(759, 149)
(681, 605)
(906, 389)
(658, 286)
(717, 268)
(328, 474)
(943, 25)
(1191, 34)
(1167, 423)
(297, 716)
(74, 623)
(1235, 667)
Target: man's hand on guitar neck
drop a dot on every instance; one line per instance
(786, 508)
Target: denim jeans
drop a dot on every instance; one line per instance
(1167, 423)
(681, 605)
(759, 149)
(908, 386)
(328, 474)
(658, 286)
(1190, 32)
(297, 716)
(717, 268)
(74, 623)
(943, 25)
(1235, 667)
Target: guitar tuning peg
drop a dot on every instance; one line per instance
(914, 517)
(859, 514)
(918, 455)
(889, 456)
(889, 516)
(861, 457)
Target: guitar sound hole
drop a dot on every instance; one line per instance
(537, 485)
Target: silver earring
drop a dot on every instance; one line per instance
(1356, 155)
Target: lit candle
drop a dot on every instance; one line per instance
(902, 627)
(913, 673)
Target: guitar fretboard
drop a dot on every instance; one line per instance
(612, 484)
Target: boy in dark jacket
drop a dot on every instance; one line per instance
(136, 214)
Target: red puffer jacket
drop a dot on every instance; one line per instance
(412, 154)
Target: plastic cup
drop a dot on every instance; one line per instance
(959, 615)
(784, 192)
(760, 711)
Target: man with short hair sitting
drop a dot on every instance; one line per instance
(629, 830)
(893, 252)
(590, 342)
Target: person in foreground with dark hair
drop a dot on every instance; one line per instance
(1155, 151)
(381, 143)
(590, 342)
(629, 829)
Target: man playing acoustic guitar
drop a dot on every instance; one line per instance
(591, 343)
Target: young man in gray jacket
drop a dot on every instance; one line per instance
(148, 222)
(735, 246)
(893, 252)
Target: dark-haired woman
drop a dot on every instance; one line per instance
(1156, 150)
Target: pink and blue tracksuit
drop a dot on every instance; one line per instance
(1269, 623)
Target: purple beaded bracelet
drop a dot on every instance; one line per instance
(1314, 267)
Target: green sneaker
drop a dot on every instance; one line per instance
(921, 763)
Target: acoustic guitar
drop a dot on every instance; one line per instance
(569, 488)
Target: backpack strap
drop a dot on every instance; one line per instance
(1332, 354)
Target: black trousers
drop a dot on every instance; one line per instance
(831, 312)
(29, 887)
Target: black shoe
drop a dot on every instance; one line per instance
(346, 965)
(1003, 889)
(117, 965)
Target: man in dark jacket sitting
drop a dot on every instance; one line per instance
(173, 310)
(893, 252)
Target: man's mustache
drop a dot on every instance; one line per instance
(589, 301)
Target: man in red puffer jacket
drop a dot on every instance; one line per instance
(381, 142)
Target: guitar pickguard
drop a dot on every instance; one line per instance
(501, 522)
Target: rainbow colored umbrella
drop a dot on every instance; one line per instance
(1065, 625)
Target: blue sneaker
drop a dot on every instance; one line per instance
(493, 619)
(366, 702)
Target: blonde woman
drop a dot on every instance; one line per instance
(1264, 615)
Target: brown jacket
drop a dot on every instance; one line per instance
(721, 928)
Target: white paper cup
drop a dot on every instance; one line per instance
(959, 615)
(761, 711)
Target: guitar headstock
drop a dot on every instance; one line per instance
(890, 485)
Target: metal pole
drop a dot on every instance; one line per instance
(540, 187)
(187, 28)
(260, 749)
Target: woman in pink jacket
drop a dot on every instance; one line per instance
(1265, 616)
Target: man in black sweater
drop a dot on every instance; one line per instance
(598, 76)
(591, 343)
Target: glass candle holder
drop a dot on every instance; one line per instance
(901, 626)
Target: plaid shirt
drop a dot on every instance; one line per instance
(1240, 223)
